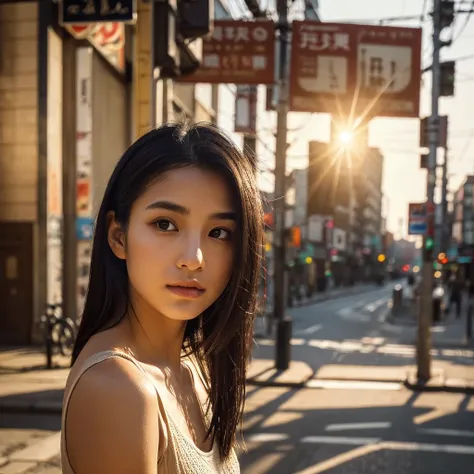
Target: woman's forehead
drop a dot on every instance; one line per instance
(191, 187)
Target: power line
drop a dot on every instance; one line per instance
(466, 21)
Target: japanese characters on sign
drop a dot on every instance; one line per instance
(95, 11)
(348, 67)
(238, 52)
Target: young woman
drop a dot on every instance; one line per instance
(157, 383)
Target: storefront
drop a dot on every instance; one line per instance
(57, 87)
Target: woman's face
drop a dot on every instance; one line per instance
(179, 242)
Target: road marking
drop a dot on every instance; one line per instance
(358, 441)
(359, 426)
(446, 432)
(371, 307)
(267, 437)
(432, 415)
(312, 329)
(433, 448)
(353, 385)
(339, 440)
(346, 311)
(340, 459)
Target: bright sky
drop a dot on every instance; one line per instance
(403, 181)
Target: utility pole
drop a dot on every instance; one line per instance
(423, 347)
(283, 333)
(444, 203)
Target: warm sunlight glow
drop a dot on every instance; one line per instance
(345, 137)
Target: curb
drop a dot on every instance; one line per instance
(421, 387)
(413, 386)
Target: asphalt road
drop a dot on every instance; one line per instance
(354, 331)
(357, 431)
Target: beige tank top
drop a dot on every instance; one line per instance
(181, 456)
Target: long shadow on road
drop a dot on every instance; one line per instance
(313, 431)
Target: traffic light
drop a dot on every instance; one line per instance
(428, 248)
(381, 258)
(442, 258)
(448, 69)
(447, 13)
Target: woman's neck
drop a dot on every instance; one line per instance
(158, 340)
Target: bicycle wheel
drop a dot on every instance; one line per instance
(64, 333)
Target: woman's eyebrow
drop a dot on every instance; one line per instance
(170, 206)
(174, 207)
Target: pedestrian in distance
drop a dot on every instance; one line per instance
(456, 289)
(157, 383)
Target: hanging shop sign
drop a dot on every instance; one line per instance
(355, 69)
(237, 52)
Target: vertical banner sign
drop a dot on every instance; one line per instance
(238, 52)
(84, 221)
(246, 110)
(355, 69)
(54, 173)
(107, 38)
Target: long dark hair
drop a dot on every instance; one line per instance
(221, 337)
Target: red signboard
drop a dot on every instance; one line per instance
(348, 68)
(238, 52)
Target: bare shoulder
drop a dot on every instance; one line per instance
(112, 421)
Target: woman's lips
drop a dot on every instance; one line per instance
(186, 292)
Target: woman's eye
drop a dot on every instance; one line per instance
(219, 233)
(165, 225)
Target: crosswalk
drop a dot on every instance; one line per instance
(375, 345)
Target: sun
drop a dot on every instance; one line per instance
(346, 137)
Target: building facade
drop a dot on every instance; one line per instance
(71, 101)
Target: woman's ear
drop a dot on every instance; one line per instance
(115, 236)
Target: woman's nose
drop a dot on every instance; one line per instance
(192, 257)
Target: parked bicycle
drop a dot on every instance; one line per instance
(59, 332)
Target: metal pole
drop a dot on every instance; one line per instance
(426, 306)
(282, 339)
(444, 203)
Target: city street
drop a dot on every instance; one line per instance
(353, 416)
(357, 417)
(384, 430)
(351, 338)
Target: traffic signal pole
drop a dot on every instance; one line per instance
(425, 314)
(283, 325)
